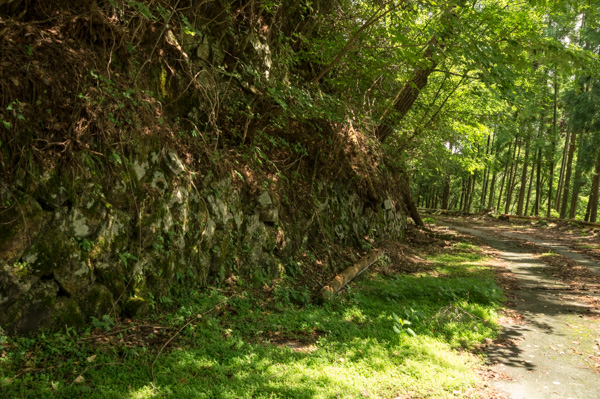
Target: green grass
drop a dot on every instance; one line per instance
(344, 349)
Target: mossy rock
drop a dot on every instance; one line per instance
(19, 226)
(68, 313)
(135, 306)
(33, 310)
(98, 301)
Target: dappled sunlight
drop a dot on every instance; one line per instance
(145, 392)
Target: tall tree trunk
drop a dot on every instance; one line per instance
(472, 192)
(588, 209)
(530, 185)
(513, 172)
(486, 172)
(502, 187)
(569, 166)
(484, 187)
(577, 183)
(446, 192)
(561, 179)
(504, 175)
(411, 207)
(467, 195)
(594, 195)
(492, 188)
(553, 145)
(462, 194)
(523, 181)
(550, 187)
(538, 185)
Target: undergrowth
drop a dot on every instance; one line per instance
(403, 335)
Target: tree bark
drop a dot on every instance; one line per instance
(411, 207)
(569, 165)
(538, 185)
(504, 176)
(486, 173)
(530, 185)
(446, 192)
(409, 94)
(561, 179)
(473, 181)
(349, 274)
(511, 177)
(553, 144)
(594, 195)
(577, 183)
(492, 188)
(523, 181)
(411, 89)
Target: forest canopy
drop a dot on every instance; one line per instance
(482, 104)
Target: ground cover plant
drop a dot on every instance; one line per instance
(387, 336)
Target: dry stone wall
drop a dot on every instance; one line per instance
(77, 246)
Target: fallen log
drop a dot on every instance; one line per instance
(349, 274)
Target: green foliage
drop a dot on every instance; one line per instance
(105, 323)
(385, 336)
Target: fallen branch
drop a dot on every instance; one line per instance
(349, 274)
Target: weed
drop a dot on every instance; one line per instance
(278, 344)
(105, 323)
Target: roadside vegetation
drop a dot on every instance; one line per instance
(388, 335)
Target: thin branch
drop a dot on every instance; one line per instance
(356, 35)
(467, 76)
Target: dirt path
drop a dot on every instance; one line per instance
(553, 352)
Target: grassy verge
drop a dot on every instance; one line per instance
(386, 337)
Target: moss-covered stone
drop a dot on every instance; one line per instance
(148, 228)
(135, 306)
(49, 253)
(21, 224)
(68, 313)
(97, 301)
(32, 310)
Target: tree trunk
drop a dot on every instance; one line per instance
(467, 195)
(411, 89)
(530, 185)
(561, 179)
(462, 194)
(511, 177)
(504, 176)
(553, 145)
(408, 95)
(471, 193)
(486, 172)
(577, 183)
(446, 192)
(538, 185)
(595, 192)
(569, 166)
(411, 207)
(484, 187)
(523, 181)
(492, 188)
